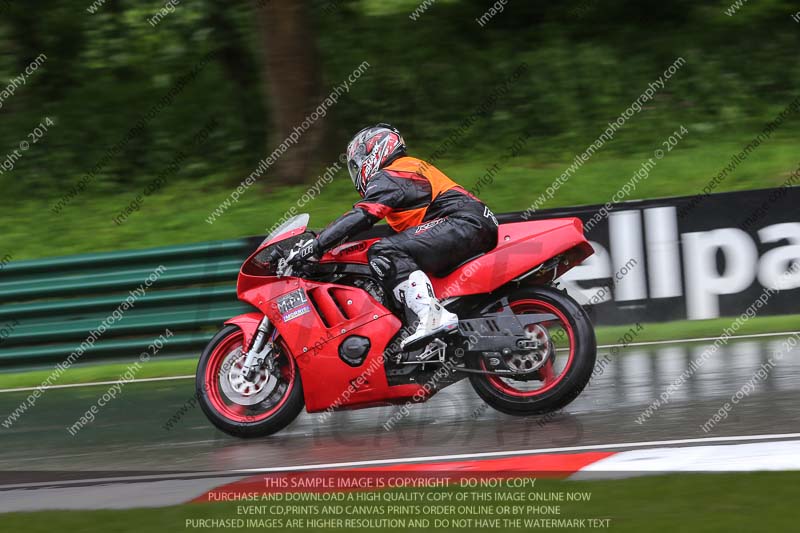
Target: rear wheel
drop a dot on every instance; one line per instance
(563, 363)
(268, 403)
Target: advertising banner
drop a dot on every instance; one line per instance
(694, 257)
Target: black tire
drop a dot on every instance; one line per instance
(575, 378)
(283, 415)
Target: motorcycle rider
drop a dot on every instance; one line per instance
(438, 223)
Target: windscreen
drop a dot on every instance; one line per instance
(298, 221)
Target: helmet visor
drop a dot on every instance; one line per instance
(355, 158)
(352, 168)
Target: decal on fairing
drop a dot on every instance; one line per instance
(349, 248)
(296, 313)
(293, 305)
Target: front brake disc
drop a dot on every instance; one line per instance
(241, 390)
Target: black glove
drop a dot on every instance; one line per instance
(303, 251)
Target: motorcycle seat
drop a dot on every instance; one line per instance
(449, 271)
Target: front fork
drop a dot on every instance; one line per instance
(260, 350)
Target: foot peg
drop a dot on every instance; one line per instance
(413, 342)
(434, 352)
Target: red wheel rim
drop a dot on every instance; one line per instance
(246, 413)
(547, 372)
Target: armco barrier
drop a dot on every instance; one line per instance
(51, 306)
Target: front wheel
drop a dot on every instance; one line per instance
(268, 403)
(567, 347)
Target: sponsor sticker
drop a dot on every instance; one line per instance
(349, 248)
(291, 315)
(293, 305)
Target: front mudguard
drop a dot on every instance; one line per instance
(248, 323)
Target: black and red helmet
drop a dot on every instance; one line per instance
(371, 149)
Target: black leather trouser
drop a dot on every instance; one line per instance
(435, 246)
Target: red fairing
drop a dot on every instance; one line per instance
(521, 246)
(328, 382)
(316, 319)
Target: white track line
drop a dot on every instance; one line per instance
(698, 339)
(95, 383)
(168, 378)
(404, 460)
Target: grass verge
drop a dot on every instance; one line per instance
(178, 213)
(687, 503)
(91, 372)
(691, 329)
(685, 329)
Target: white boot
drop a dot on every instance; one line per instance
(433, 318)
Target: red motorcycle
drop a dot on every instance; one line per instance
(327, 336)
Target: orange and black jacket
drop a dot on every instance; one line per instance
(406, 192)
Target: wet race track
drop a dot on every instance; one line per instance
(130, 435)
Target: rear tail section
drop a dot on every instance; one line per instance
(524, 250)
